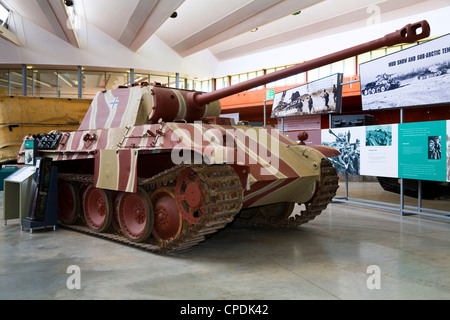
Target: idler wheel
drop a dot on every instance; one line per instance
(189, 195)
(167, 219)
(135, 215)
(68, 203)
(98, 209)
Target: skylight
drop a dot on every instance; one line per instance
(3, 13)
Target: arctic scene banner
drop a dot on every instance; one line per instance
(379, 151)
(316, 97)
(412, 77)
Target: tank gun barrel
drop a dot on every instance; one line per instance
(408, 34)
(337, 137)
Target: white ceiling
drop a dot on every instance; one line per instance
(221, 26)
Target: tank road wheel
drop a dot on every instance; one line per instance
(135, 215)
(190, 196)
(167, 219)
(98, 209)
(68, 203)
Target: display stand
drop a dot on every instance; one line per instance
(401, 208)
(44, 210)
(404, 210)
(19, 189)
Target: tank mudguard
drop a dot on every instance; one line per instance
(116, 169)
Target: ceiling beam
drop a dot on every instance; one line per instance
(143, 9)
(7, 34)
(56, 14)
(161, 11)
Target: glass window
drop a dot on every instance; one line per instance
(4, 12)
(281, 82)
(234, 80)
(163, 80)
(324, 71)
(206, 86)
(365, 57)
(4, 76)
(16, 82)
(337, 67)
(350, 67)
(393, 49)
(43, 83)
(140, 77)
(115, 79)
(271, 84)
(197, 85)
(221, 83)
(253, 75)
(259, 73)
(67, 83)
(93, 82)
(172, 82)
(182, 83)
(301, 78)
(313, 75)
(378, 53)
(291, 80)
(189, 84)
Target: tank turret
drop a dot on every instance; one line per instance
(154, 167)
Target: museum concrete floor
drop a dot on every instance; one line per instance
(328, 258)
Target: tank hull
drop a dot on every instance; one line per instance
(272, 167)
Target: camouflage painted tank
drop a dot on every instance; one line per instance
(156, 167)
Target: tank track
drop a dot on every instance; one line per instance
(324, 194)
(223, 201)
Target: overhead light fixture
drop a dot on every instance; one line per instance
(174, 15)
(254, 30)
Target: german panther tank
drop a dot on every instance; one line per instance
(157, 168)
(384, 83)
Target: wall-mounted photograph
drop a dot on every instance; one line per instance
(316, 97)
(348, 142)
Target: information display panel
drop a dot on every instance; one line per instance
(422, 152)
